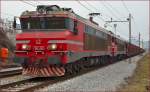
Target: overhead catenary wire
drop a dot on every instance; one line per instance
(89, 9)
(114, 9)
(127, 9)
(112, 12)
(135, 25)
(11, 15)
(92, 11)
(120, 13)
(125, 6)
(28, 3)
(84, 6)
(22, 2)
(34, 2)
(101, 2)
(38, 2)
(97, 9)
(104, 5)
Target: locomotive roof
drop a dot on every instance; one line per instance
(68, 14)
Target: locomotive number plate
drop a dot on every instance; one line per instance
(39, 48)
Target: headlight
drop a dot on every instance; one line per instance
(52, 47)
(25, 47)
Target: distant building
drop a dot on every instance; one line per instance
(1, 24)
(7, 27)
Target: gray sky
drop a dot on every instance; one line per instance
(118, 10)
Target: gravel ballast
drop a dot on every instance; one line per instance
(103, 79)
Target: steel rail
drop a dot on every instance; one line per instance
(10, 73)
(9, 85)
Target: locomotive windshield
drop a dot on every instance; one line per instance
(46, 23)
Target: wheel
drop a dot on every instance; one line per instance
(68, 69)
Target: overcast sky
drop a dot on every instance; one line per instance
(118, 10)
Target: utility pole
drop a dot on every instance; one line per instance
(129, 21)
(139, 39)
(149, 42)
(115, 27)
(142, 44)
(0, 10)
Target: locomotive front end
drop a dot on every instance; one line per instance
(42, 47)
(40, 56)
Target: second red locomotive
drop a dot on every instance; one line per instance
(56, 41)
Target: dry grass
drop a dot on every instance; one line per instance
(140, 81)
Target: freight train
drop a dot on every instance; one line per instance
(56, 41)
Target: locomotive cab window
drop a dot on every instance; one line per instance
(46, 23)
(75, 28)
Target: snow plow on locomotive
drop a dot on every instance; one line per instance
(56, 41)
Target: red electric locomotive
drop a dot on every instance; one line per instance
(56, 41)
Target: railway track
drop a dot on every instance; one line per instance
(10, 72)
(14, 85)
(32, 84)
(10, 66)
